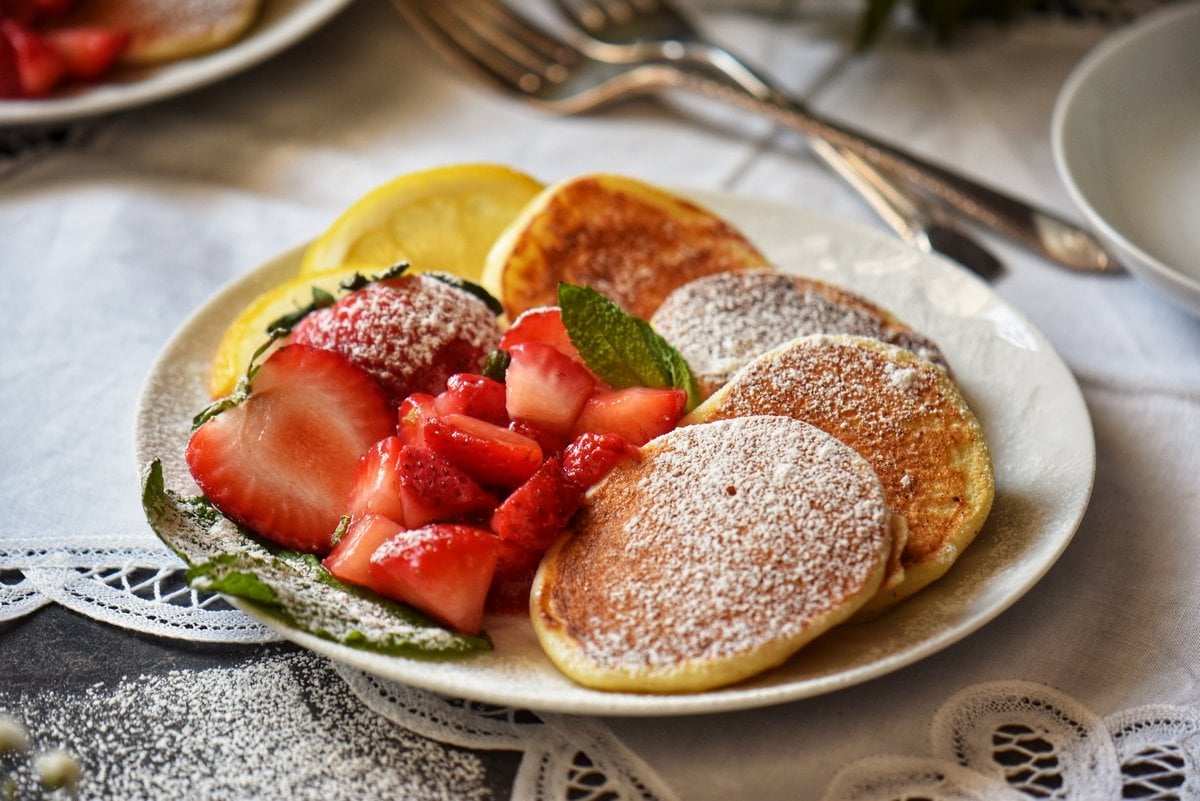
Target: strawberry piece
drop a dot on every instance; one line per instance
(516, 567)
(591, 456)
(474, 395)
(547, 441)
(639, 414)
(282, 461)
(534, 514)
(415, 411)
(39, 67)
(411, 333)
(490, 454)
(10, 79)
(545, 387)
(543, 324)
(88, 52)
(376, 486)
(432, 489)
(443, 570)
(350, 558)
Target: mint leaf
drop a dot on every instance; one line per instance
(621, 349)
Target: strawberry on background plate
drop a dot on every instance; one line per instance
(351, 556)
(281, 461)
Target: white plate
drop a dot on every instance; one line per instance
(1126, 136)
(282, 23)
(1030, 407)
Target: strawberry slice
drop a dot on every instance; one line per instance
(516, 566)
(639, 414)
(442, 569)
(543, 324)
(282, 461)
(534, 514)
(414, 412)
(39, 67)
(88, 52)
(490, 454)
(376, 486)
(350, 558)
(473, 395)
(545, 387)
(591, 456)
(432, 489)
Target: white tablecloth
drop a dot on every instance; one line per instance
(111, 235)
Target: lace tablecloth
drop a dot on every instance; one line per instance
(113, 230)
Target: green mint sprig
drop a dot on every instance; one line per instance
(621, 349)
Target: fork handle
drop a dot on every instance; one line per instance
(1059, 240)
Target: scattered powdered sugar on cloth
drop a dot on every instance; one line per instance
(285, 726)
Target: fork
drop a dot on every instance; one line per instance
(529, 62)
(635, 30)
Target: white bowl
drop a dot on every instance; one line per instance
(1126, 136)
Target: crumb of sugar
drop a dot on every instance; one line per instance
(283, 726)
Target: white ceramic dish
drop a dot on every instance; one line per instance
(281, 24)
(1126, 137)
(1029, 404)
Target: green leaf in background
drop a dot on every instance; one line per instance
(621, 349)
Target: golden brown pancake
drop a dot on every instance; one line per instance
(629, 240)
(903, 414)
(726, 548)
(721, 322)
(167, 30)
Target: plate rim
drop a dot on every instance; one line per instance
(735, 697)
(179, 77)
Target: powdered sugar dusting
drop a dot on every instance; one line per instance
(721, 322)
(725, 537)
(283, 726)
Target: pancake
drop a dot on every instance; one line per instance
(903, 414)
(726, 548)
(168, 30)
(629, 240)
(721, 322)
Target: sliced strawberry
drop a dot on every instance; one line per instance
(350, 558)
(443, 570)
(414, 412)
(547, 441)
(376, 486)
(534, 514)
(282, 461)
(513, 579)
(543, 324)
(411, 333)
(545, 387)
(39, 67)
(639, 414)
(493, 456)
(88, 52)
(590, 457)
(475, 396)
(432, 489)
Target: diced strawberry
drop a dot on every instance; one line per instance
(591, 456)
(492, 455)
(432, 489)
(415, 411)
(410, 333)
(39, 67)
(376, 487)
(547, 441)
(513, 579)
(88, 52)
(350, 558)
(543, 324)
(473, 395)
(545, 387)
(534, 514)
(639, 414)
(443, 570)
(282, 461)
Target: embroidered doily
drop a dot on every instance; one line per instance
(1012, 741)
